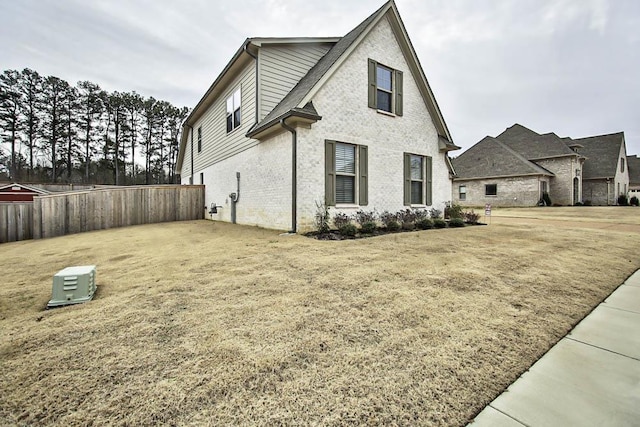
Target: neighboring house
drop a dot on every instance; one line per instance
(292, 123)
(605, 175)
(19, 193)
(633, 162)
(518, 166)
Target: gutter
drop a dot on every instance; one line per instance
(296, 112)
(294, 174)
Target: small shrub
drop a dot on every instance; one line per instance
(578, 204)
(587, 202)
(406, 217)
(321, 221)
(408, 226)
(546, 199)
(424, 224)
(439, 223)
(368, 227)
(386, 217)
(421, 214)
(435, 213)
(393, 226)
(622, 200)
(471, 217)
(348, 230)
(634, 201)
(456, 222)
(363, 217)
(341, 219)
(453, 211)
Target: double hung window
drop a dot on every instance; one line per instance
(385, 88)
(346, 180)
(233, 111)
(417, 179)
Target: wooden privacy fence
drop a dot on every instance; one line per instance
(67, 213)
(16, 221)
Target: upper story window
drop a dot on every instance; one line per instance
(621, 164)
(199, 139)
(233, 111)
(385, 88)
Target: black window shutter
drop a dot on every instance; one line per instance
(330, 173)
(407, 179)
(429, 180)
(398, 79)
(373, 85)
(363, 187)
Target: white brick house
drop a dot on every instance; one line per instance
(294, 122)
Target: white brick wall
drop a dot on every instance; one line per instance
(342, 103)
(514, 191)
(265, 184)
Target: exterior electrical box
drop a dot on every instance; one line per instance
(73, 285)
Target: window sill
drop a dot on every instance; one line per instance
(420, 206)
(490, 195)
(386, 113)
(346, 206)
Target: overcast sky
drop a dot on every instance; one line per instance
(566, 66)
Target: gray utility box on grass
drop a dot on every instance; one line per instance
(73, 285)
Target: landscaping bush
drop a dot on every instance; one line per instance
(587, 202)
(435, 213)
(407, 218)
(634, 201)
(424, 224)
(439, 223)
(453, 211)
(471, 217)
(390, 221)
(341, 219)
(456, 222)
(622, 200)
(363, 217)
(321, 221)
(546, 199)
(348, 230)
(368, 227)
(421, 214)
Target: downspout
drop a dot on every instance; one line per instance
(294, 174)
(191, 127)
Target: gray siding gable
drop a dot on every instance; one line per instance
(280, 68)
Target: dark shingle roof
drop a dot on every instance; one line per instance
(492, 158)
(633, 162)
(602, 153)
(532, 145)
(306, 84)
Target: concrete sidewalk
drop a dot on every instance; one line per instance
(589, 378)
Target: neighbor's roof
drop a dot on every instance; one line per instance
(531, 145)
(299, 100)
(492, 158)
(603, 152)
(24, 187)
(633, 163)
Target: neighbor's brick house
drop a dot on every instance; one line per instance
(351, 121)
(518, 166)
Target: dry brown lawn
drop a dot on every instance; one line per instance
(202, 323)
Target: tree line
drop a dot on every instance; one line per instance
(52, 131)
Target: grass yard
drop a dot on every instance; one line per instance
(202, 323)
